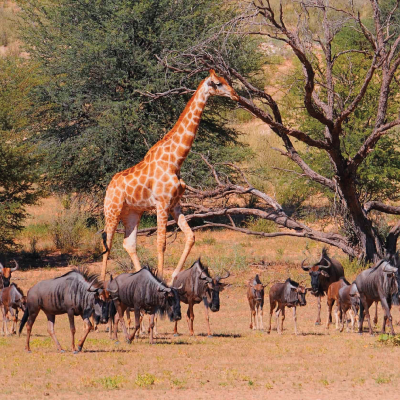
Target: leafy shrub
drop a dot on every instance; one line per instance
(111, 382)
(145, 380)
(261, 225)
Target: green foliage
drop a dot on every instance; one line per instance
(261, 225)
(110, 382)
(389, 339)
(19, 175)
(145, 380)
(101, 57)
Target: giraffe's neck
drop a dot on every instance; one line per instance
(184, 132)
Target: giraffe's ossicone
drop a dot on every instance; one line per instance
(154, 183)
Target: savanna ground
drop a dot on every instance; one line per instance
(237, 362)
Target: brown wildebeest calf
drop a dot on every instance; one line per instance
(12, 299)
(333, 295)
(255, 296)
(349, 300)
(288, 294)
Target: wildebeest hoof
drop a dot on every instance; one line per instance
(318, 323)
(177, 334)
(210, 336)
(29, 351)
(62, 351)
(128, 341)
(76, 351)
(117, 342)
(79, 348)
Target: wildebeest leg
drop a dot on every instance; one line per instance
(50, 329)
(318, 321)
(330, 305)
(277, 313)
(121, 308)
(295, 320)
(252, 316)
(6, 320)
(271, 310)
(337, 316)
(365, 306)
(386, 307)
(207, 320)
(353, 319)
(151, 328)
(376, 313)
(128, 320)
(142, 324)
(191, 319)
(282, 319)
(29, 325)
(3, 311)
(261, 318)
(343, 310)
(137, 325)
(89, 327)
(72, 327)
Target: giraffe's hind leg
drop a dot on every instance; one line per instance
(131, 219)
(189, 236)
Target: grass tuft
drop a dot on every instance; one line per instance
(145, 380)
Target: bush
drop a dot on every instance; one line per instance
(261, 225)
(69, 229)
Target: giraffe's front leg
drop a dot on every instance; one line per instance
(162, 219)
(189, 235)
(131, 221)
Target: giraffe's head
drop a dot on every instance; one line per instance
(218, 86)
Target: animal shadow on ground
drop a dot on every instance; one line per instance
(312, 334)
(223, 335)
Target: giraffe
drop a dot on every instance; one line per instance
(155, 183)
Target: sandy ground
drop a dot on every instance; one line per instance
(236, 363)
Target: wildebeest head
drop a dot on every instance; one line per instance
(319, 272)
(214, 287)
(295, 293)
(5, 273)
(101, 307)
(173, 304)
(390, 285)
(257, 288)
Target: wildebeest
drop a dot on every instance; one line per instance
(332, 297)
(197, 286)
(12, 299)
(75, 293)
(255, 296)
(5, 274)
(378, 283)
(349, 300)
(326, 271)
(143, 290)
(287, 294)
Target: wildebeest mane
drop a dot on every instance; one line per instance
(342, 278)
(90, 277)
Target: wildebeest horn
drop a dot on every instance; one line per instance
(205, 277)
(16, 266)
(325, 266)
(90, 287)
(305, 268)
(179, 288)
(390, 269)
(1, 267)
(226, 276)
(165, 289)
(309, 289)
(115, 290)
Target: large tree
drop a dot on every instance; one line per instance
(101, 60)
(349, 108)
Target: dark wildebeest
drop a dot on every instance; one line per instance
(378, 283)
(12, 299)
(143, 290)
(75, 293)
(5, 274)
(197, 286)
(255, 296)
(326, 271)
(288, 294)
(332, 296)
(349, 300)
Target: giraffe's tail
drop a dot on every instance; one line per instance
(104, 237)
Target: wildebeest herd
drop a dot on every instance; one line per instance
(79, 292)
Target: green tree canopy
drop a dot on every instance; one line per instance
(101, 60)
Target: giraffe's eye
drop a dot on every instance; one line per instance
(219, 84)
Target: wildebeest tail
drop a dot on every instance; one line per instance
(23, 320)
